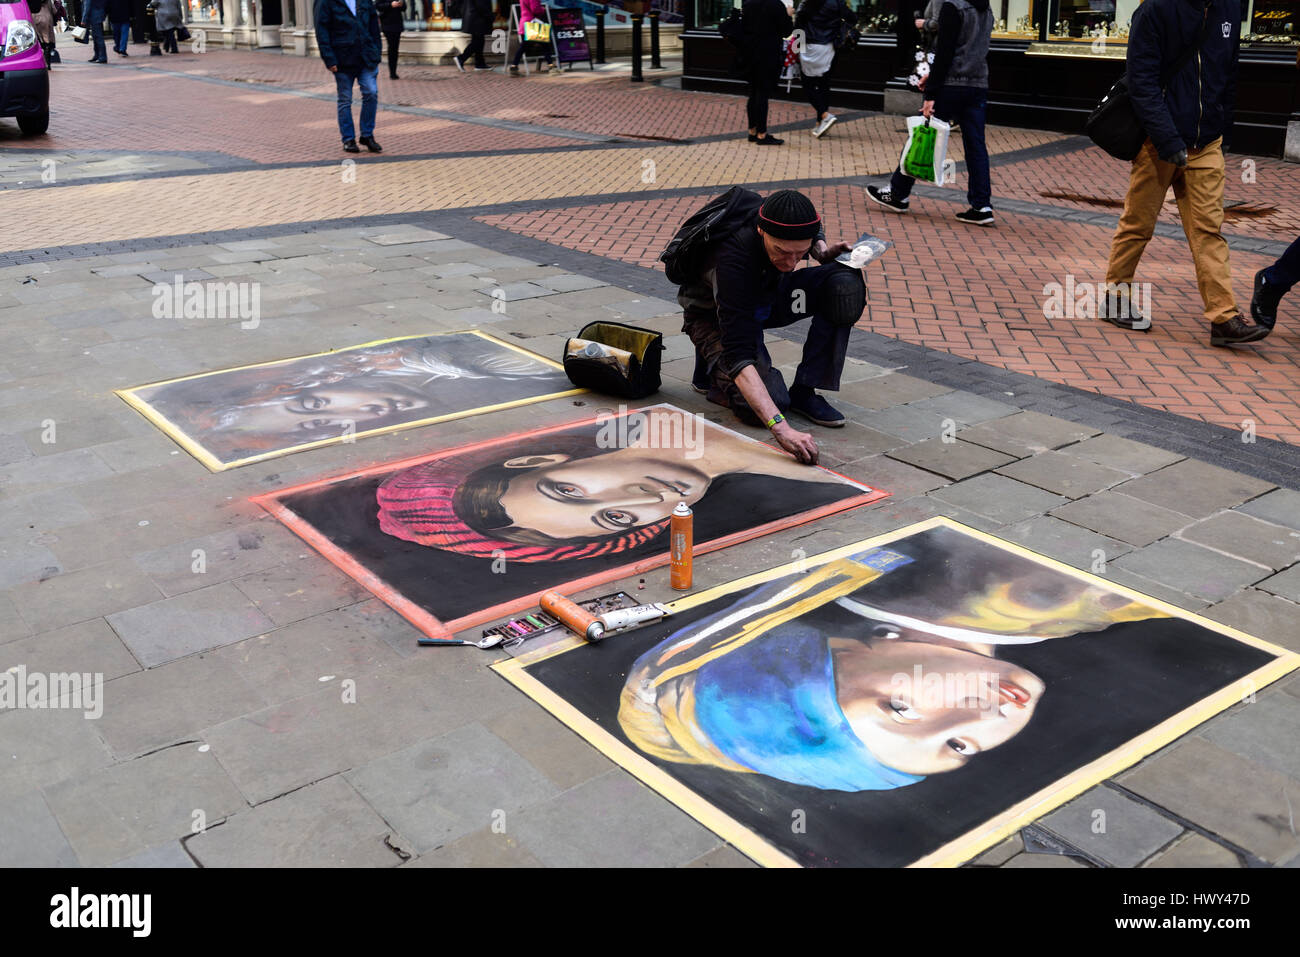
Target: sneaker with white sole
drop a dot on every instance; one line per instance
(826, 123)
(977, 217)
(882, 196)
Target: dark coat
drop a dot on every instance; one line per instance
(119, 11)
(391, 19)
(477, 17)
(349, 42)
(820, 19)
(766, 24)
(1197, 106)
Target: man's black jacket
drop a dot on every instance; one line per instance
(1197, 106)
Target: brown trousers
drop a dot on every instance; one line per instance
(1198, 188)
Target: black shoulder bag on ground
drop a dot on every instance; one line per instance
(684, 258)
(1114, 125)
(615, 358)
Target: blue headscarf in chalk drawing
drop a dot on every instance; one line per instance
(770, 705)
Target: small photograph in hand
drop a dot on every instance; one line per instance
(867, 249)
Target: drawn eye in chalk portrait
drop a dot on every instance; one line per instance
(905, 701)
(902, 687)
(458, 536)
(565, 497)
(244, 412)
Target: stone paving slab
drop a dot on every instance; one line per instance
(125, 809)
(890, 390)
(449, 786)
(1281, 507)
(965, 408)
(1063, 474)
(1065, 542)
(171, 855)
(1194, 850)
(222, 556)
(30, 835)
(87, 647)
(1248, 538)
(1247, 804)
(1264, 731)
(611, 821)
(1111, 827)
(551, 747)
(1195, 488)
(1262, 615)
(1193, 569)
(43, 747)
(195, 621)
(77, 596)
(953, 460)
(162, 706)
(1024, 433)
(1284, 584)
(1123, 517)
(483, 848)
(998, 498)
(326, 824)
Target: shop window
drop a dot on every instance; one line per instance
(1272, 23)
(1016, 19)
(876, 16)
(709, 13)
(205, 11)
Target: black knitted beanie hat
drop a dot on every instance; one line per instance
(787, 214)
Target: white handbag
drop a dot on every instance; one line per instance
(80, 34)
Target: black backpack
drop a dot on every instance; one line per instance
(685, 257)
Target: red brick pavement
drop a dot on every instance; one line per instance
(99, 108)
(601, 103)
(980, 294)
(1072, 179)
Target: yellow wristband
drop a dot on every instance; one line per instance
(775, 420)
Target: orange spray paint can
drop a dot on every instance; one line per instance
(574, 616)
(682, 544)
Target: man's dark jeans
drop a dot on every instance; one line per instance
(797, 297)
(965, 105)
(1285, 273)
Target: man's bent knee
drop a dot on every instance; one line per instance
(844, 297)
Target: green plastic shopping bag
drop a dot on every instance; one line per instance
(926, 149)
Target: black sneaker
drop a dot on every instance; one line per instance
(350, 146)
(769, 140)
(700, 380)
(816, 409)
(369, 143)
(882, 196)
(1235, 332)
(976, 217)
(1122, 313)
(1264, 303)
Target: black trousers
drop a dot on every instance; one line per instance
(818, 91)
(762, 83)
(394, 40)
(475, 50)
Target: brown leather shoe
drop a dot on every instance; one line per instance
(1235, 332)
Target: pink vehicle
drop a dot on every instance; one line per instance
(24, 79)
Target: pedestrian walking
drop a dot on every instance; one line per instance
(167, 20)
(956, 91)
(119, 15)
(530, 10)
(476, 20)
(1272, 283)
(347, 32)
(392, 21)
(820, 22)
(1182, 81)
(765, 24)
(93, 20)
(44, 14)
(927, 24)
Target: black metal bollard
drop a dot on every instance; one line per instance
(636, 48)
(600, 37)
(654, 41)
